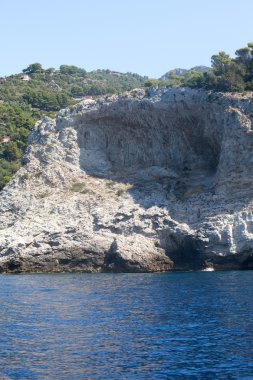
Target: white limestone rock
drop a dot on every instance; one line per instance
(137, 183)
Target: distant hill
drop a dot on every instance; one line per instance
(70, 81)
(170, 75)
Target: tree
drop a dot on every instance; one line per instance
(72, 70)
(233, 79)
(77, 91)
(194, 79)
(46, 100)
(50, 70)
(243, 54)
(11, 151)
(33, 68)
(220, 62)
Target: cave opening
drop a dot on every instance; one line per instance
(186, 143)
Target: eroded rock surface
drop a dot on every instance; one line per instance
(135, 183)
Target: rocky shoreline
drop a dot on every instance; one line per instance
(134, 183)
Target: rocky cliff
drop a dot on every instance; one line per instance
(135, 183)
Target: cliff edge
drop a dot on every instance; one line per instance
(135, 183)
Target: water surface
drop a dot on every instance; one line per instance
(127, 326)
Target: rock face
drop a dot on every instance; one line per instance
(135, 183)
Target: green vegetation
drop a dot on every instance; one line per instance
(110, 184)
(179, 77)
(42, 195)
(120, 192)
(79, 187)
(33, 68)
(231, 74)
(46, 101)
(28, 96)
(226, 75)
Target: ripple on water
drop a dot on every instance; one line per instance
(127, 326)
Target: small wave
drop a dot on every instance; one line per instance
(208, 269)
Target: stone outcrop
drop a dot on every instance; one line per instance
(136, 183)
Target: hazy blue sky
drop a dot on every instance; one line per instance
(144, 36)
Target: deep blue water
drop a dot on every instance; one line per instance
(127, 326)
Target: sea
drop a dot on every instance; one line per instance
(194, 325)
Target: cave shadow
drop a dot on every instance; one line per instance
(169, 159)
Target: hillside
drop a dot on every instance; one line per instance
(36, 92)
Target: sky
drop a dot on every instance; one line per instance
(148, 37)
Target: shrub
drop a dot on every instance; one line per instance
(110, 183)
(79, 187)
(42, 195)
(120, 192)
